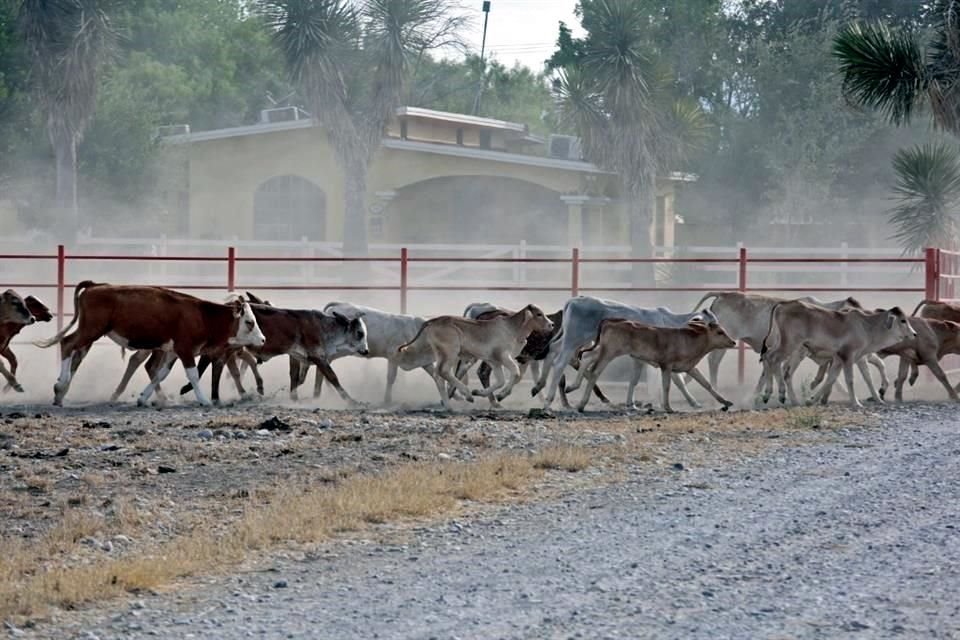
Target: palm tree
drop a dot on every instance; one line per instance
(614, 92)
(349, 58)
(67, 41)
(900, 76)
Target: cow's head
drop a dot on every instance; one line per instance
(351, 337)
(248, 331)
(852, 303)
(705, 316)
(13, 309)
(898, 325)
(537, 320)
(255, 300)
(38, 309)
(717, 338)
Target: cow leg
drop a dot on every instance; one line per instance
(591, 371)
(784, 377)
(836, 366)
(63, 381)
(247, 360)
(903, 370)
(202, 367)
(11, 375)
(441, 388)
(848, 376)
(877, 362)
(678, 381)
(298, 373)
(865, 374)
(137, 358)
(822, 369)
(665, 377)
(331, 376)
(635, 375)
(564, 401)
(713, 362)
(11, 379)
(560, 362)
(234, 370)
(515, 374)
(317, 381)
(392, 368)
(535, 370)
(941, 375)
(446, 371)
(498, 383)
(166, 361)
(696, 375)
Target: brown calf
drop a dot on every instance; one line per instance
(673, 350)
(153, 318)
(9, 330)
(934, 339)
(496, 341)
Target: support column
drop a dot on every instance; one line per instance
(575, 212)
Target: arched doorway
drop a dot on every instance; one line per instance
(477, 210)
(289, 208)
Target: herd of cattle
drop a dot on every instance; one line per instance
(162, 325)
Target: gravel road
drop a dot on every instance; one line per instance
(852, 539)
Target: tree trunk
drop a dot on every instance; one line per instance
(355, 210)
(642, 202)
(65, 201)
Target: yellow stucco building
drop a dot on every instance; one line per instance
(438, 178)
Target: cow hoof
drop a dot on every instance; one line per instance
(260, 389)
(477, 392)
(17, 387)
(535, 391)
(883, 394)
(726, 406)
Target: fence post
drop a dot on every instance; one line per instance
(575, 272)
(231, 269)
(742, 288)
(403, 279)
(61, 283)
(930, 285)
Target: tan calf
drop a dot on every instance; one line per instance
(673, 350)
(843, 336)
(496, 341)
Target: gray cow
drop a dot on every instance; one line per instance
(581, 320)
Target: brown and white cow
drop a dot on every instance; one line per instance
(844, 336)
(156, 319)
(9, 330)
(497, 341)
(672, 349)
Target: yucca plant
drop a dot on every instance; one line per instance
(618, 97)
(898, 75)
(68, 42)
(349, 59)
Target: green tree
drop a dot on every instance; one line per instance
(897, 74)
(621, 100)
(68, 42)
(349, 61)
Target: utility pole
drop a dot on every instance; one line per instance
(483, 46)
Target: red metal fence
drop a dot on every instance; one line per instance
(941, 271)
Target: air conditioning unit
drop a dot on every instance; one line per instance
(565, 147)
(282, 114)
(173, 130)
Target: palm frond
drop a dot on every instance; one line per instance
(927, 190)
(882, 69)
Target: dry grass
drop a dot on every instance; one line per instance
(305, 514)
(563, 458)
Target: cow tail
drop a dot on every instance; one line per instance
(765, 347)
(44, 344)
(922, 303)
(707, 296)
(406, 346)
(596, 340)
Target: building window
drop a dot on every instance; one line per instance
(484, 139)
(289, 208)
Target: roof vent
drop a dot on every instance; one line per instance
(565, 147)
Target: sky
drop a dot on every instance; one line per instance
(524, 30)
